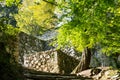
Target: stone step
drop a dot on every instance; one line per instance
(39, 75)
(54, 77)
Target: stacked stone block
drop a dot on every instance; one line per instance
(50, 61)
(41, 61)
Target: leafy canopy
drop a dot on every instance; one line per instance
(12, 2)
(92, 22)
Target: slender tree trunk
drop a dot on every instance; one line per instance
(85, 61)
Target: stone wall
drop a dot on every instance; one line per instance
(29, 44)
(33, 55)
(50, 61)
(41, 61)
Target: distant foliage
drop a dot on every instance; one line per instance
(36, 16)
(7, 20)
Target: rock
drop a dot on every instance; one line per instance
(95, 71)
(111, 75)
(106, 73)
(85, 73)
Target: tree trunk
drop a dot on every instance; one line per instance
(85, 61)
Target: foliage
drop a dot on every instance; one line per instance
(7, 20)
(8, 29)
(35, 17)
(12, 2)
(8, 32)
(93, 22)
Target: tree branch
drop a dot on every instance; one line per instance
(51, 2)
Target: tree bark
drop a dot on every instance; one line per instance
(85, 61)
